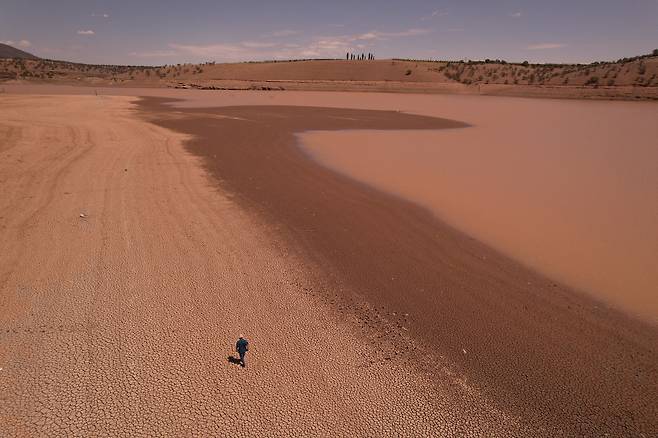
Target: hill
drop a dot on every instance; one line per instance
(7, 51)
(628, 78)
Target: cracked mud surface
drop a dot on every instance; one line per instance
(126, 275)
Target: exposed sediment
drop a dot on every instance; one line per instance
(126, 275)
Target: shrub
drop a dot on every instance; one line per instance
(594, 80)
(407, 73)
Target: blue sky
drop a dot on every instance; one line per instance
(164, 32)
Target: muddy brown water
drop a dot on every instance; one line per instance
(567, 188)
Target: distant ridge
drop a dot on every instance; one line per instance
(627, 78)
(7, 51)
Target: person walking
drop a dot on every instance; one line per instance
(242, 346)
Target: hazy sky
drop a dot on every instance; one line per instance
(166, 31)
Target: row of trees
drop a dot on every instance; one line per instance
(363, 56)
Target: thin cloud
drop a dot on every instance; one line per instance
(407, 33)
(545, 46)
(245, 50)
(228, 51)
(100, 15)
(20, 43)
(327, 45)
(257, 45)
(155, 54)
(368, 36)
(249, 50)
(375, 35)
(283, 33)
(317, 47)
(336, 46)
(515, 15)
(86, 32)
(435, 14)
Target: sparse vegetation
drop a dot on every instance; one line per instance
(639, 71)
(594, 80)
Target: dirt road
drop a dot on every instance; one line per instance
(126, 276)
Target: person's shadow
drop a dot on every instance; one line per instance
(233, 360)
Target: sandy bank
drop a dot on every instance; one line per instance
(121, 321)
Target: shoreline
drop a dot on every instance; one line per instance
(519, 330)
(575, 93)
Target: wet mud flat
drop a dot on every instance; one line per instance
(559, 360)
